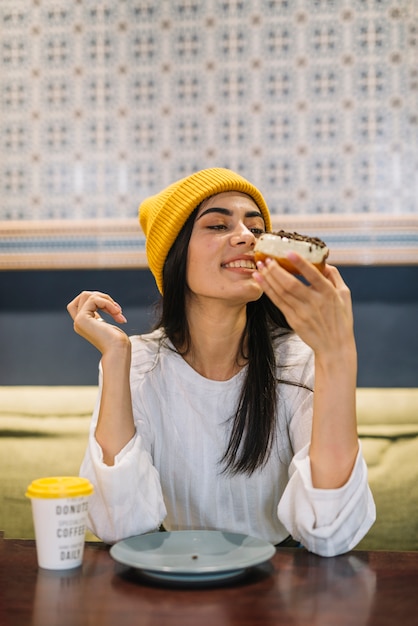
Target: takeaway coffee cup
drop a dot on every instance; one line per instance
(59, 511)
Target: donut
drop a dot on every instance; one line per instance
(276, 246)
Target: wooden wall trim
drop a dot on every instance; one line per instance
(370, 239)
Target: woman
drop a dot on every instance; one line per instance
(214, 420)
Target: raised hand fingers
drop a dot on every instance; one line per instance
(284, 290)
(306, 269)
(88, 303)
(85, 311)
(275, 276)
(279, 284)
(320, 311)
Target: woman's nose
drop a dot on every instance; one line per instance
(242, 236)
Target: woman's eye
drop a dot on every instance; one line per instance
(257, 231)
(217, 226)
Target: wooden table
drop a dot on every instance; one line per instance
(294, 588)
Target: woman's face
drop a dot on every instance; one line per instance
(220, 260)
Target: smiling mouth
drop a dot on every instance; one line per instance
(242, 263)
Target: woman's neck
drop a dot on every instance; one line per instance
(216, 338)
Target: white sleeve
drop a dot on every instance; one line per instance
(326, 521)
(127, 498)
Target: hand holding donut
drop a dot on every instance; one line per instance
(320, 312)
(88, 323)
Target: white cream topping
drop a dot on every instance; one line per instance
(275, 246)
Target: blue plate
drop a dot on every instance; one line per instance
(192, 555)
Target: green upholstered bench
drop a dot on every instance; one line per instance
(388, 428)
(43, 431)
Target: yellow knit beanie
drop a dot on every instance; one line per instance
(163, 216)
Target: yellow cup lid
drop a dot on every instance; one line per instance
(59, 487)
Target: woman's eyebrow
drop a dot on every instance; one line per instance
(228, 212)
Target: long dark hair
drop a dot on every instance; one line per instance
(254, 422)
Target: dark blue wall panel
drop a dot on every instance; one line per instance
(39, 347)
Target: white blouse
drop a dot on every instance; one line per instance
(170, 472)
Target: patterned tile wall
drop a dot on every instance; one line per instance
(105, 102)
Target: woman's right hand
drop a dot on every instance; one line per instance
(115, 424)
(88, 323)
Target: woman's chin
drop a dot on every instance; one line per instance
(253, 291)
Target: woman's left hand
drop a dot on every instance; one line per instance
(320, 312)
